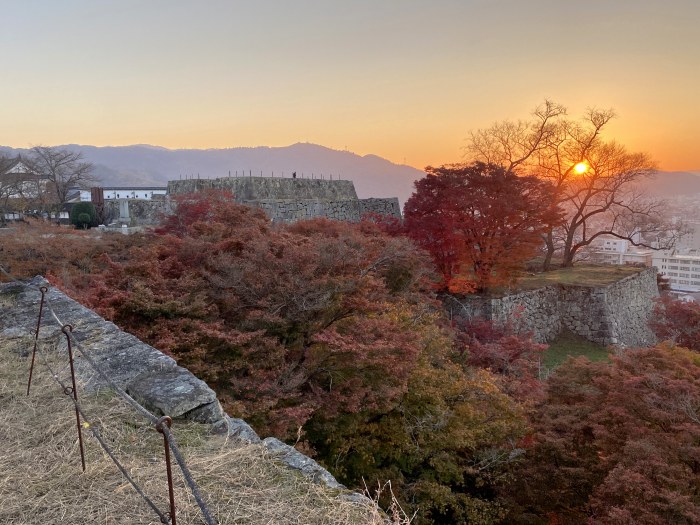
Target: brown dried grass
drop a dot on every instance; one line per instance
(41, 480)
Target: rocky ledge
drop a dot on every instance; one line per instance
(148, 375)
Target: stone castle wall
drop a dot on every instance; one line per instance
(146, 374)
(614, 314)
(283, 200)
(141, 212)
(347, 210)
(270, 188)
(389, 207)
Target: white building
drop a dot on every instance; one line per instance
(682, 270)
(19, 181)
(691, 240)
(608, 249)
(125, 192)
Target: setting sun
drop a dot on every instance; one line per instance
(581, 167)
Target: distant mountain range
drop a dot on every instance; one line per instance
(144, 165)
(673, 183)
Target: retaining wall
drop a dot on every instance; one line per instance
(149, 376)
(614, 314)
(270, 188)
(283, 200)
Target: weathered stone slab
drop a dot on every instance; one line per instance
(151, 377)
(237, 429)
(296, 460)
(175, 393)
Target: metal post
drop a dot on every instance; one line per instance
(43, 290)
(66, 329)
(165, 420)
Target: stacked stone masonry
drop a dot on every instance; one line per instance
(616, 314)
(283, 200)
(149, 376)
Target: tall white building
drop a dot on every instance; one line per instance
(682, 270)
(691, 240)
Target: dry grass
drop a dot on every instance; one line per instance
(41, 480)
(579, 275)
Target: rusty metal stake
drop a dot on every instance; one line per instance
(43, 290)
(165, 420)
(68, 328)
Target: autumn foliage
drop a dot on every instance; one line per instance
(479, 222)
(616, 443)
(677, 321)
(513, 358)
(328, 335)
(279, 320)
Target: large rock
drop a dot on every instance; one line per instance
(176, 393)
(237, 429)
(296, 460)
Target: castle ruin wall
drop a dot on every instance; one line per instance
(616, 314)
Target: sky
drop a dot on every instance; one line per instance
(403, 79)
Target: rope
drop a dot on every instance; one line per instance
(126, 397)
(132, 402)
(188, 476)
(96, 433)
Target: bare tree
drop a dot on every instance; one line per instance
(596, 182)
(61, 170)
(510, 144)
(8, 187)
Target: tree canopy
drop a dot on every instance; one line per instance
(677, 321)
(59, 171)
(326, 334)
(615, 443)
(596, 181)
(479, 222)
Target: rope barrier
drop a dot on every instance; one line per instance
(188, 476)
(96, 433)
(169, 437)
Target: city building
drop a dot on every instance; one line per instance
(691, 240)
(681, 270)
(608, 249)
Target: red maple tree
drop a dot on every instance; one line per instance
(616, 443)
(678, 321)
(479, 222)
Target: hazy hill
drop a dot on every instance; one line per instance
(373, 176)
(148, 165)
(672, 183)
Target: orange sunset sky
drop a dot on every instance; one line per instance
(402, 79)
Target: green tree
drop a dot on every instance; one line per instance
(83, 215)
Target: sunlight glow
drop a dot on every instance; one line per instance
(581, 167)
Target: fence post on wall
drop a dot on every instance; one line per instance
(43, 291)
(166, 420)
(74, 390)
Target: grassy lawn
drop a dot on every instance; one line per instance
(579, 275)
(569, 344)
